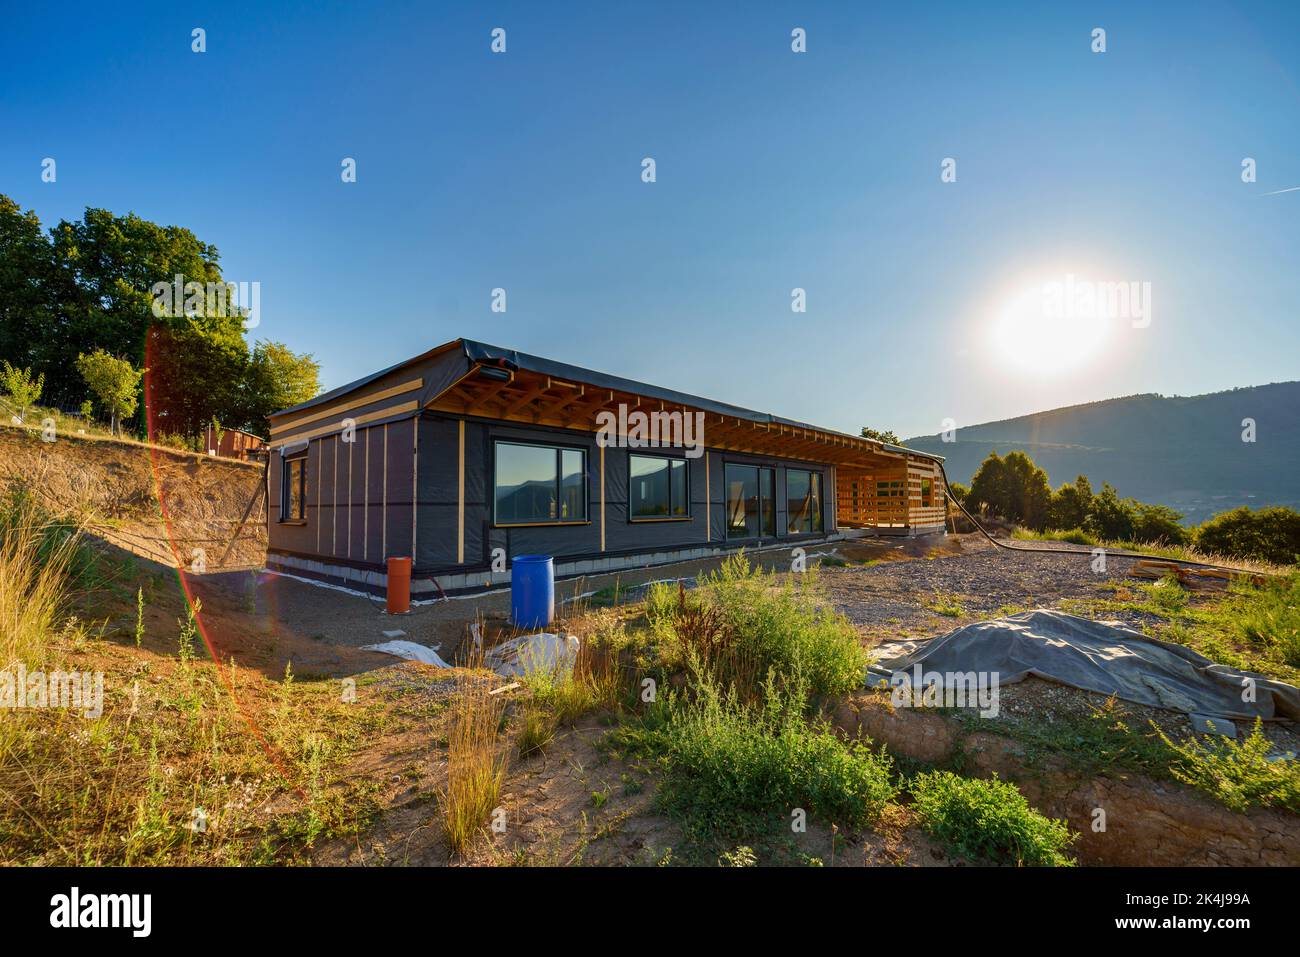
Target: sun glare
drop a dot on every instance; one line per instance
(1035, 332)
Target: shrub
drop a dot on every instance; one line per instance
(740, 625)
(730, 764)
(989, 820)
(1159, 524)
(1238, 774)
(1267, 535)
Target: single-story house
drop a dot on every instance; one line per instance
(469, 455)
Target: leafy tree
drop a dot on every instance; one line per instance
(1070, 504)
(114, 382)
(21, 386)
(1012, 487)
(1111, 516)
(1159, 523)
(27, 287)
(277, 378)
(958, 491)
(89, 285)
(888, 437)
(1269, 534)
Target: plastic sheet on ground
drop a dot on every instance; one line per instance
(530, 653)
(1109, 658)
(410, 651)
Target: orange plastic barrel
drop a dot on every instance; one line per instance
(399, 586)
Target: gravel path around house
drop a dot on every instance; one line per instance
(900, 598)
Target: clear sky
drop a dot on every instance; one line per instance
(775, 170)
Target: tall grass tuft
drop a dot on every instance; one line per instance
(476, 763)
(36, 553)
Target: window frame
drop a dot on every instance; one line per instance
(286, 470)
(559, 449)
(814, 518)
(728, 535)
(686, 463)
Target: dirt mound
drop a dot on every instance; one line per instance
(152, 501)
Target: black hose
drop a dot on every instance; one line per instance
(1074, 551)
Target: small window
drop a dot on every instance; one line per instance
(293, 490)
(657, 488)
(927, 493)
(803, 493)
(539, 484)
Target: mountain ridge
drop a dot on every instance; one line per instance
(1183, 451)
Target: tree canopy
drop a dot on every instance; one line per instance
(90, 286)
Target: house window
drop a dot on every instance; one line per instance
(539, 484)
(927, 493)
(751, 506)
(293, 490)
(657, 488)
(803, 493)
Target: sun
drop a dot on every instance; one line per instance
(1034, 331)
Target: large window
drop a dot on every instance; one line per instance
(803, 493)
(751, 506)
(657, 488)
(293, 489)
(539, 484)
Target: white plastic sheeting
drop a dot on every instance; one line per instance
(410, 651)
(530, 653)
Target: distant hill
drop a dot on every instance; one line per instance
(1185, 452)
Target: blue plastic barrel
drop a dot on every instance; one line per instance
(532, 591)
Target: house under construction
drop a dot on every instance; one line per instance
(469, 455)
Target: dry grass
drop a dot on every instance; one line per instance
(476, 761)
(34, 559)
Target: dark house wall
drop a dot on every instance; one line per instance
(359, 498)
(437, 533)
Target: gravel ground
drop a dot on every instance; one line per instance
(900, 598)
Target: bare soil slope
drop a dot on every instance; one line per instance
(151, 501)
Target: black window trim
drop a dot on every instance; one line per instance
(285, 472)
(558, 447)
(822, 482)
(631, 453)
(726, 515)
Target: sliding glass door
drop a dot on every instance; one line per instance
(751, 503)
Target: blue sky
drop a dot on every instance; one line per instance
(775, 170)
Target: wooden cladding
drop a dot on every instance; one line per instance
(536, 399)
(894, 497)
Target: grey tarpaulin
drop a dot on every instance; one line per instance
(1106, 657)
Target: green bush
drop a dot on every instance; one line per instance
(1238, 774)
(731, 767)
(1266, 535)
(1159, 524)
(739, 621)
(988, 820)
